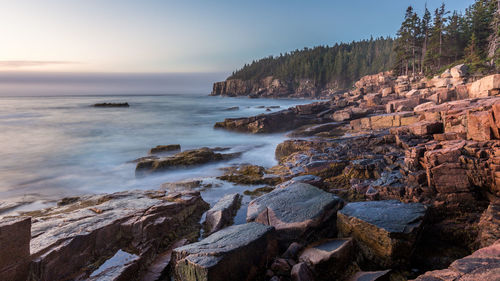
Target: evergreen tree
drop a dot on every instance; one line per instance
(403, 43)
(434, 55)
(425, 28)
(494, 41)
(422, 45)
(481, 15)
(454, 40)
(341, 64)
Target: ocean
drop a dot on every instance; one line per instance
(58, 146)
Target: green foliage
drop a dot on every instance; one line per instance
(428, 47)
(407, 44)
(341, 64)
(423, 46)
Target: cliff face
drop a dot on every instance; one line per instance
(271, 87)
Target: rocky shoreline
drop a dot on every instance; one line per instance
(398, 179)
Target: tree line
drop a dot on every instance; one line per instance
(341, 64)
(432, 42)
(425, 44)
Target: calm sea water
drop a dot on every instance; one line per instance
(51, 147)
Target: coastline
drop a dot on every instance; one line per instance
(113, 173)
(387, 160)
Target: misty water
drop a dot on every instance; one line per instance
(57, 146)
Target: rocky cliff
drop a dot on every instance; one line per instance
(271, 87)
(423, 157)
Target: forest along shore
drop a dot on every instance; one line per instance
(396, 179)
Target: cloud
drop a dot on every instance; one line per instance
(32, 63)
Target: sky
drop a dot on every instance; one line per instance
(184, 36)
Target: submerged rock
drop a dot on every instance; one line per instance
(235, 253)
(295, 211)
(385, 231)
(222, 213)
(233, 108)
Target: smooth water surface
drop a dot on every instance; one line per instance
(53, 147)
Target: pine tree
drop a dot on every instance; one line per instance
(404, 42)
(480, 15)
(434, 55)
(454, 40)
(425, 28)
(341, 64)
(494, 40)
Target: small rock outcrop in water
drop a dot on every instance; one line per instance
(222, 213)
(235, 253)
(110, 104)
(186, 158)
(280, 121)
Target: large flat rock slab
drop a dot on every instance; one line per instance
(234, 253)
(294, 210)
(385, 231)
(66, 240)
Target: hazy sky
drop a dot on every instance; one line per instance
(184, 35)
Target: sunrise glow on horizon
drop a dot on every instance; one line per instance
(187, 36)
